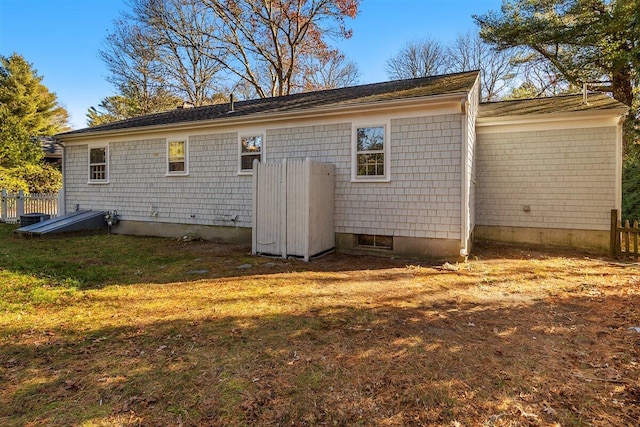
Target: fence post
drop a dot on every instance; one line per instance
(20, 205)
(613, 243)
(3, 209)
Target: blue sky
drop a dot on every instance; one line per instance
(61, 38)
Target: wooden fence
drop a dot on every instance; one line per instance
(16, 204)
(624, 237)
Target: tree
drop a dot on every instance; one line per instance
(183, 36)
(329, 73)
(539, 78)
(421, 58)
(128, 104)
(131, 58)
(469, 52)
(112, 109)
(27, 110)
(266, 41)
(584, 40)
(24, 98)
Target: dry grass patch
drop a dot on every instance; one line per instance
(512, 338)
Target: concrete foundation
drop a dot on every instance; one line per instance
(405, 247)
(237, 235)
(595, 240)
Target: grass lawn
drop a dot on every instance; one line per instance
(125, 331)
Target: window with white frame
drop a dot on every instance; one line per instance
(99, 164)
(370, 153)
(250, 150)
(177, 157)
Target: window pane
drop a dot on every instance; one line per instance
(371, 164)
(97, 172)
(176, 150)
(247, 161)
(376, 241)
(98, 155)
(176, 166)
(251, 144)
(370, 138)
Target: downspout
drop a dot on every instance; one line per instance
(464, 202)
(62, 194)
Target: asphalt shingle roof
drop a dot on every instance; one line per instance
(370, 93)
(556, 104)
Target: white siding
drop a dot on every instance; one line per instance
(566, 176)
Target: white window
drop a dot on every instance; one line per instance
(250, 150)
(370, 153)
(99, 164)
(177, 157)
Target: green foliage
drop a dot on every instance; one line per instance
(11, 181)
(27, 111)
(112, 109)
(17, 147)
(584, 40)
(129, 104)
(631, 184)
(26, 101)
(31, 178)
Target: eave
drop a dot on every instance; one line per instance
(270, 117)
(616, 113)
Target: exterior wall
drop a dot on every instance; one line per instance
(423, 198)
(562, 179)
(212, 194)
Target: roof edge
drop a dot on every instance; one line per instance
(551, 117)
(324, 111)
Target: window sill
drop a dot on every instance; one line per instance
(370, 180)
(245, 173)
(177, 174)
(97, 182)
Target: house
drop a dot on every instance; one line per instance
(420, 167)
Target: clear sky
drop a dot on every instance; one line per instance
(61, 38)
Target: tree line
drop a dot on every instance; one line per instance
(162, 53)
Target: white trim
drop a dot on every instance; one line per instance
(249, 133)
(386, 125)
(209, 128)
(553, 121)
(464, 159)
(93, 146)
(186, 157)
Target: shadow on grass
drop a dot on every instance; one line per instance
(95, 261)
(571, 361)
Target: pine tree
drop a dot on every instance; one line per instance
(27, 110)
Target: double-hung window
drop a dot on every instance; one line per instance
(99, 164)
(370, 153)
(177, 157)
(250, 150)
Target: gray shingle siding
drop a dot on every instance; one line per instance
(423, 198)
